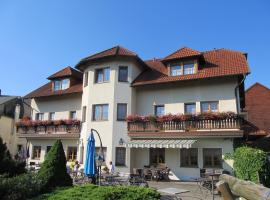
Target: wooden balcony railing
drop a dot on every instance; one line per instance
(188, 125)
(54, 127)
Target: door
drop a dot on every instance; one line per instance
(157, 156)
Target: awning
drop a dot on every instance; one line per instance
(160, 143)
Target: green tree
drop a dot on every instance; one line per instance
(53, 172)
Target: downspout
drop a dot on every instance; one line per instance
(236, 94)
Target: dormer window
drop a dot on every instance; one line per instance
(182, 68)
(176, 70)
(189, 68)
(61, 84)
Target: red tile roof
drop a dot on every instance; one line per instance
(66, 72)
(220, 62)
(258, 106)
(182, 53)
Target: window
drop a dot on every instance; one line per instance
(48, 149)
(212, 158)
(209, 106)
(72, 115)
(123, 74)
(57, 85)
(84, 114)
(85, 79)
(121, 111)
(159, 110)
(72, 154)
(190, 108)
(51, 115)
(40, 116)
(104, 150)
(19, 147)
(189, 68)
(102, 75)
(36, 152)
(100, 112)
(120, 156)
(189, 157)
(176, 70)
(157, 156)
(65, 84)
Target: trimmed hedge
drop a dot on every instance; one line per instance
(102, 193)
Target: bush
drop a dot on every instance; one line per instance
(19, 187)
(102, 193)
(248, 163)
(53, 172)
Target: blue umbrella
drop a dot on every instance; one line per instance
(90, 162)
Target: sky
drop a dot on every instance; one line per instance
(40, 37)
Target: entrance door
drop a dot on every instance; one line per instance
(157, 156)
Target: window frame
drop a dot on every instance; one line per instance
(117, 113)
(39, 114)
(50, 116)
(189, 165)
(38, 154)
(126, 78)
(187, 104)
(103, 75)
(118, 162)
(209, 106)
(74, 153)
(157, 106)
(214, 150)
(94, 111)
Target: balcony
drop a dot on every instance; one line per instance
(209, 124)
(49, 129)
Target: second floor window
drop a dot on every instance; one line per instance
(72, 115)
(211, 106)
(100, 112)
(123, 74)
(102, 75)
(121, 111)
(84, 114)
(190, 108)
(51, 115)
(176, 70)
(40, 116)
(57, 85)
(61, 84)
(159, 110)
(85, 79)
(189, 68)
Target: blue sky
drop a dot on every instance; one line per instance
(37, 38)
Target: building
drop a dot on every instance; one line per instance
(117, 83)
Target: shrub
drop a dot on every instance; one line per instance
(248, 163)
(53, 172)
(103, 193)
(20, 187)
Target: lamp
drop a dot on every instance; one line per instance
(121, 142)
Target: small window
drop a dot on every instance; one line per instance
(85, 79)
(65, 84)
(209, 106)
(100, 112)
(120, 156)
(212, 157)
(57, 85)
(189, 157)
(40, 116)
(159, 110)
(123, 74)
(48, 149)
(176, 70)
(84, 114)
(190, 108)
(72, 154)
(72, 115)
(189, 68)
(36, 152)
(121, 111)
(102, 75)
(51, 115)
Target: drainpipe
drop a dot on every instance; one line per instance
(237, 94)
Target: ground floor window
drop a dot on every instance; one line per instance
(36, 152)
(48, 149)
(72, 154)
(157, 156)
(189, 157)
(212, 157)
(120, 156)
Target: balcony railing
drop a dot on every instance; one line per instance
(48, 127)
(186, 125)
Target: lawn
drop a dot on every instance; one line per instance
(89, 191)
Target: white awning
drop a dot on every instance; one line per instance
(160, 143)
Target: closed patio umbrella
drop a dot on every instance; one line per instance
(90, 162)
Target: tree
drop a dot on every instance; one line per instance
(53, 172)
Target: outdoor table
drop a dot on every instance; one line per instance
(212, 175)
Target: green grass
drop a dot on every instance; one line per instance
(101, 193)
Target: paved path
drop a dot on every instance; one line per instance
(195, 192)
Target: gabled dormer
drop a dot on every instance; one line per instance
(65, 78)
(184, 61)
